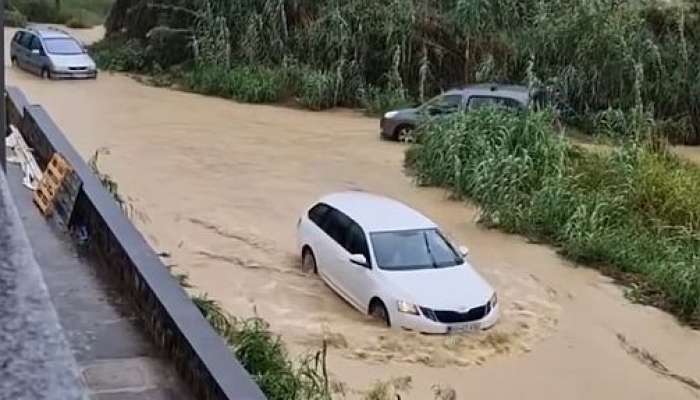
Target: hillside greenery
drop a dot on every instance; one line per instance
(599, 56)
(632, 211)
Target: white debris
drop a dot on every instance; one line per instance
(19, 153)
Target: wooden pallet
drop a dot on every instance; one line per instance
(55, 174)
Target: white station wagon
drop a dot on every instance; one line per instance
(393, 263)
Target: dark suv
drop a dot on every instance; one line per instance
(398, 124)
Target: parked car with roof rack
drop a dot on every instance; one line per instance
(399, 124)
(391, 262)
(51, 53)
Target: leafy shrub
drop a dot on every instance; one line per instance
(634, 210)
(38, 10)
(15, 18)
(264, 356)
(317, 90)
(256, 84)
(243, 83)
(77, 22)
(377, 101)
(120, 55)
(74, 13)
(167, 47)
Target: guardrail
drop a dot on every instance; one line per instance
(175, 324)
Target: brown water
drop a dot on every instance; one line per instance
(220, 186)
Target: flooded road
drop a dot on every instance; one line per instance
(220, 186)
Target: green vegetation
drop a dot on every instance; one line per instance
(263, 355)
(633, 211)
(600, 56)
(15, 18)
(73, 13)
(248, 84)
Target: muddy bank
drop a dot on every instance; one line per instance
(222, 184)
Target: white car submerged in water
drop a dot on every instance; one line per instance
(393, 263)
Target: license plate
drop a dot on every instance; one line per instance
(468, 327)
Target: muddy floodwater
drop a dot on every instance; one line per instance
(220, 185)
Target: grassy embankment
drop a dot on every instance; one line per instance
(633, 212)
(378, 55)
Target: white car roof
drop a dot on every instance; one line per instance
(377, 213)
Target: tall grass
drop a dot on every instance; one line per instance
(263, 355)
(597, 54)
(248, 84)
(634, 211)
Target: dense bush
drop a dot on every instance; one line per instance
(15, 18)
(243, 83)
(74, 13)
(77, 22)
(634, 211)
(120, 55)
(317, 90)
(264, 356)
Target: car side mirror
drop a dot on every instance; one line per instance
(36, 51)
(359, 259)
(463, 251)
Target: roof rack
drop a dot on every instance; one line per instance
(40, 27)
(55, 28)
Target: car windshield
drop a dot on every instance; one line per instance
(62, 46)
(414, 249)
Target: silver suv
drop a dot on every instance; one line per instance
(51, 53)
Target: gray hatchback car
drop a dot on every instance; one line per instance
(398, 124)
(51, 53)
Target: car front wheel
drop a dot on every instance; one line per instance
(377, 310)
(404, 134)
(46, 73)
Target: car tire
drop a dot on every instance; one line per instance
(13, 61)
(308, 261)
(378, 311)
(403, 134)
(45, 73)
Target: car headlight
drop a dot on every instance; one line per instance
(493, 301)
(407, 308)
(391, 114)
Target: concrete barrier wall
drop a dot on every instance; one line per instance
(172, 320)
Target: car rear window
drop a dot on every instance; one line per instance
(336, 225)
(62, 46)
(318, 212)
